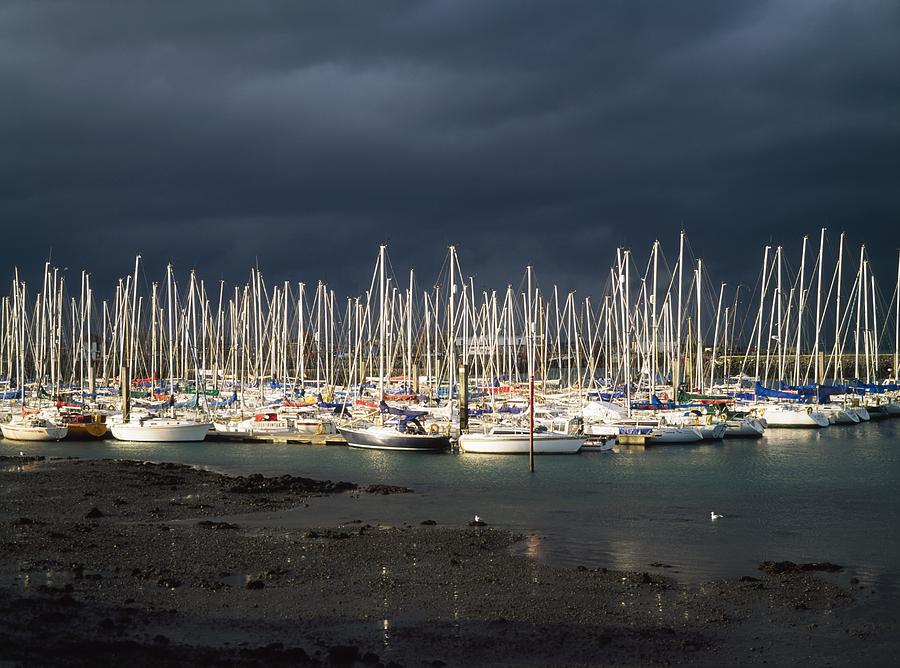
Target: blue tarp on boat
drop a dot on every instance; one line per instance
(761, 391)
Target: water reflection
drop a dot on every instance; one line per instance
(801, 495)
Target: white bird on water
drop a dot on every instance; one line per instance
(713, 516)
(477, 519)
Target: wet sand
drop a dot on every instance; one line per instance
(107, 561)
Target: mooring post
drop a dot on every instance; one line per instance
(531, 423)
(463, 398)
(125, 390)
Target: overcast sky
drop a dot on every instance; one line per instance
(300, 135)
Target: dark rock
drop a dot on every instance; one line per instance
(24, 522)
(783, 567)
(255, 584)
(169, 583)
(658, 564)
(477, 523)
(160, 640)
(93, 513)
(748, 578)
(286, 484)
(343, 655)
(370, 659)
(387, 489)
(217, 526)
(428, 523)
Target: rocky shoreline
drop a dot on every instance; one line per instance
(107, 561)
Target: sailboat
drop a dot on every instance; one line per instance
(33, 428)
(514, 441)
(404, 431)
(28, 426)
(387, 437)
(153, 429)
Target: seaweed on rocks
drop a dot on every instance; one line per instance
(784, 567)
(285, 484)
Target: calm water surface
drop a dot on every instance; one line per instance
(802, 495)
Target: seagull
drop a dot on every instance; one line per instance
(713, 516)
(477, 519)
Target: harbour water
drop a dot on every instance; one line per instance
(802, 495)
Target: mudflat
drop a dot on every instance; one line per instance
(114, 562)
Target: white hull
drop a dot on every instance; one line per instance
(27, 433)
(161, 431)
(712, 432)
(744, 428)
(838, 415)
(861, 413)
(519, 444)
(783, 417)
(669, 434)
(655, 433)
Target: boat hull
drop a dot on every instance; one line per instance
(89, 431)
(781, 418)
(161, 432)
(27, 433)
(519, 444)
(669, 434)
(391, 440)
(746, 428)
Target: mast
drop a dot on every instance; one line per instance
(860, 282)
(170, 314)
(676, 370)
(381, 323)
(801, 302)
(838, 348)
(699, 328)
(818, 377)
(712, 361)
(762, 302)
(897, 324)
(655, 323)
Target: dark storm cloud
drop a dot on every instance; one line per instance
(301, 135)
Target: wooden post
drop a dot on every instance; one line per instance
(463, 390)
(125, 390)
(531, 424)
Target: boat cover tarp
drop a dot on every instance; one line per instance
(761, 391)
(230, 401)
(392, 410)
(187, 403)
(859, 387)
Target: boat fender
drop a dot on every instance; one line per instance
(320, 429)
(434, 429)
(709, 419)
